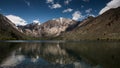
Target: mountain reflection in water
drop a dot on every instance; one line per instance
(60, 54)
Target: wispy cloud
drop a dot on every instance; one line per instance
(67, 10)
(50, 1)
(55, 6)
(27, 3)
(88, 10)
(66, 2)
(0, 9)
(77, 15)
(111, 4)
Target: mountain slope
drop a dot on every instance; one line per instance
(57, 26)
(51, 28)
(105, 26)
(8, 30)
(30, 29)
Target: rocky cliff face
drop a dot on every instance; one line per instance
(50, 28)
(30, 29)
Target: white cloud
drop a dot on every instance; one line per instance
(36, 21)
(88, 10)
(55, 6)
(111, 4)
(67, 10)
(16, 20)
(67, 2)
(50, 1)
(27, 2)
(77, 15)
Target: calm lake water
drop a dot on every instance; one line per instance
(60, 54)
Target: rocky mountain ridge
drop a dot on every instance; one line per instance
(105, 26)
(50, 28)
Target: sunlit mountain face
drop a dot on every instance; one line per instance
(22, 12)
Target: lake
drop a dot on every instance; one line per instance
(59, 54)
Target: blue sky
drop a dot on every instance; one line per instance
(44, 10)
